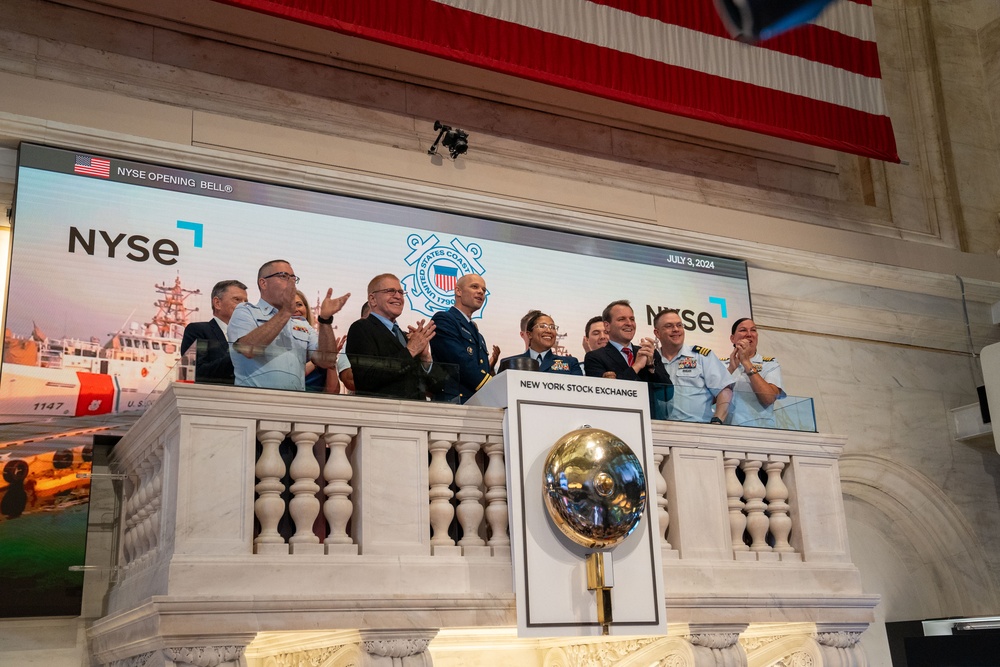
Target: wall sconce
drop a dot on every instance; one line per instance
(456, 141)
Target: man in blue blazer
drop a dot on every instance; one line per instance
(212, 361)
(542, 334)
(457, 341)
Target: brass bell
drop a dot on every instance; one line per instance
(594, 488)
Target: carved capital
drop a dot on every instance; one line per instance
(203, 656)
(715, 640)
(838, 639)
(395, 648)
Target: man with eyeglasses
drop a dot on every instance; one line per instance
(703, 387)
(542, 336)
(619, 358)
(386, 361)
(459, 343)
(270, 348)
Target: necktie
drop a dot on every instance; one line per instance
(399, 334)
(541, 358)
(629, 357)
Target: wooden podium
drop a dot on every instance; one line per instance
(550, 574)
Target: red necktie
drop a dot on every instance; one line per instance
(629, 357)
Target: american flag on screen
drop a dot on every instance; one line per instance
(818, 84)
(92, 166)
(445, 277)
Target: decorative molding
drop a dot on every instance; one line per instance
(203, 656)
(308, 658)
(140, 660)
(754, 643)
(603, 654)
(673, 660)
(797, 659)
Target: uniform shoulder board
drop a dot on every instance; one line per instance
(768, 358)
(725, 360)
(703, 351)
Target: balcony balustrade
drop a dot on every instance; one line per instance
(380, 527)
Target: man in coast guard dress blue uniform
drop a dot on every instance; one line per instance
(457, 341)
(542, 333)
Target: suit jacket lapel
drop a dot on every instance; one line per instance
(217, 331)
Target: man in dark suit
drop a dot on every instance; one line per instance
(620, 358)
(386, 361)
(542, 334)
(212, 361)
(457, 341)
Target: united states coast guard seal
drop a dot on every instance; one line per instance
(436, 269)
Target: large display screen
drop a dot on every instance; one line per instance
(110, 258)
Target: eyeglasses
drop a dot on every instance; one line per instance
(670, 327)
(284, 276)
(544, 327)
(390, 291)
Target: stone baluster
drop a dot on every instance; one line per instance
(439, 478)
(496, 496)
(141, 511)
(753, 491)
(136, 494)
(338, 507)
(469, 479)
(269, 505)
(150, 524)
(734, 495)
(776, 494)
(304, 505)
(663, 513)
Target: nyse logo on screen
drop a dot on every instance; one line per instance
(136, 247)
(692, 319)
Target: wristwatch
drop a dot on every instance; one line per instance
(325, 320)
(715, 420)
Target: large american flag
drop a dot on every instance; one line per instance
(819, 84)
